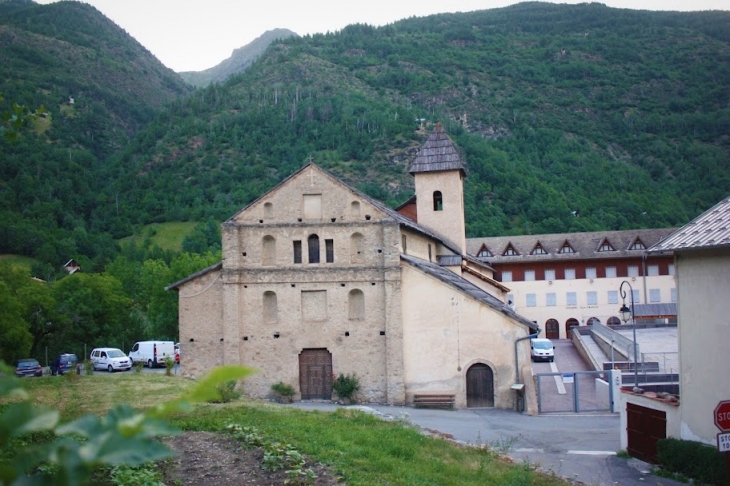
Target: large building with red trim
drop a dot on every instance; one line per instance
(572, 279)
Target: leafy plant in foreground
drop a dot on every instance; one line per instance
(122, 437)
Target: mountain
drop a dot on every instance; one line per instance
(240, 59)
(100, 87)
(572, 118)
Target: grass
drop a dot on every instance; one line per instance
(168, 236)
(361, 448)
(19, 259)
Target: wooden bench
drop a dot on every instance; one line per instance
(434, 400)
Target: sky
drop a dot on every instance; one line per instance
(193, 35)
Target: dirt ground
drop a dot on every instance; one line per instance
(204, 458)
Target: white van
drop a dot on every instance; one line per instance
(110, 359)
(152, 353)
(542, 350)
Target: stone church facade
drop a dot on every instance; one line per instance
(319, 279)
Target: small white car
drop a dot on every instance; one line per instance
(111, 359)
(542, 350)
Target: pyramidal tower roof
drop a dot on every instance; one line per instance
(438, 153)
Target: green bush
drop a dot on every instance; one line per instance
(89, 367)
(696, 460)
(138, 365)
(226, 392)
(169, 363)
(283, 389)
(346, 386)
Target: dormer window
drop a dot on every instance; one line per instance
(510, 251)
(538, 250)
(605, 246)
(484, 252)
(637, 245)
(566, 248)
(438, 201)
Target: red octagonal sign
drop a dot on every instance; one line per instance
(722, 415)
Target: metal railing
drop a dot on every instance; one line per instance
(618, 340)
(668, 361)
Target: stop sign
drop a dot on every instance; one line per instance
(722, 415)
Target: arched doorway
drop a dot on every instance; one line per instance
(613, 321)
(315, 374)
(479, 386)
(552, 329)
(593, 320)
(572, 322)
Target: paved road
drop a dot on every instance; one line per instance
(578, 447)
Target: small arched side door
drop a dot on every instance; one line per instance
(479, 386)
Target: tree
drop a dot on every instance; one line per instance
(96, 312)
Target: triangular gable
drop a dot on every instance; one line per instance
(484, 252)
(538, 250)
(637, 244)
(605, 245)
(566, 248)
(510, 250)
(309, 175)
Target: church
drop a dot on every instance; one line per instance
(318, 279)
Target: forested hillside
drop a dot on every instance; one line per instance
(99, 87)
(571, 117)
(621, 116)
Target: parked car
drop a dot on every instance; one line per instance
(542, 349)
(64, 363)
(152, 353)
(28, 367)
(111, 359)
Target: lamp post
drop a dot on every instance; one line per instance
(627, 314)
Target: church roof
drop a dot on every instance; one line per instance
(463, 285)
(212, 268)
(710, 229)
(438, 154)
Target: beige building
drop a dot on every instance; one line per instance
(319, 279)
(701, 252)
(572, 279)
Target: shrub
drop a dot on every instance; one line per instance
(138, 365)
(346, 386)
(89, 367)
(226, 392)
(693, 459)
(169, 363)
(283, 389)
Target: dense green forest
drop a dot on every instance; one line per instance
(570, 117)
(621, 116)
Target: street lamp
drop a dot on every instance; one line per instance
(627, 314)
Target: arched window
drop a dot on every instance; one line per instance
(593, 320)
(438, 201)
(268, 253)
(355, 208)
(356, 304)
(613, 321)
(271, 308)
(356, 248)
(268, 210)
(313, 245)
